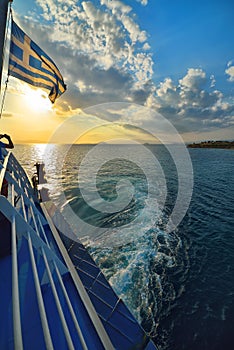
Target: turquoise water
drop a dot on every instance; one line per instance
(180, 285)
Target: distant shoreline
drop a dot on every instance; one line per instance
(213, 144)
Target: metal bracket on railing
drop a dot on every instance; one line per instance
(38, 180)
(40, 172)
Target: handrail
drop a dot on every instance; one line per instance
(15, 292)
(23, 228)
(59, 307)
(27, 221)
(45, 326)
(20, 192)
(84, 346)
(19, 172)
(79, 286)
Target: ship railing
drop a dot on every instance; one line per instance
(20, 228)
(18, 206)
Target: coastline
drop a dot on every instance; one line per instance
(213, 144)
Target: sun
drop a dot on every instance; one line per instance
(37, 100)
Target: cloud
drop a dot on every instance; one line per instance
(230, 71)
(189, 105)
(7, 115)
(212, 81)
(194, 80)
(143, 2)
(116, 6)
(105, 56)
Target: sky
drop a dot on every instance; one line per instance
(174, 58)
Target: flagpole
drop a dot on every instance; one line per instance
(3, 19)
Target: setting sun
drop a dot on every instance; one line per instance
(37, 100)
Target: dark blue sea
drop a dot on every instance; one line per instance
(179, 284)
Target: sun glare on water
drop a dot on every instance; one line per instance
(37, 100)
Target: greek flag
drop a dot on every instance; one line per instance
(29, 63)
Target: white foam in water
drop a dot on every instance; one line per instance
(130, 270)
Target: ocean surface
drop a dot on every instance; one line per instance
(179, 285)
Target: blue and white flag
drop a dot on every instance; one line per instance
(29, 63)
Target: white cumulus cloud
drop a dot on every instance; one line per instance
(189, 105)
(230, 71)
(109, 34)
(193, 80)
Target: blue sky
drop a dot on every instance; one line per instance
(176, 57)
(186, 34)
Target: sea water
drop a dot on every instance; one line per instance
(179, 284)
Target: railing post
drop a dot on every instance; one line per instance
(18, 343)
(58, 304)
(45, 326)
(84, 346)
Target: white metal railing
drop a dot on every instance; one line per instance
(20, 228)
(41, 305)
(15, 291)
(70, 308)
(26, 221)
(107, 344)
